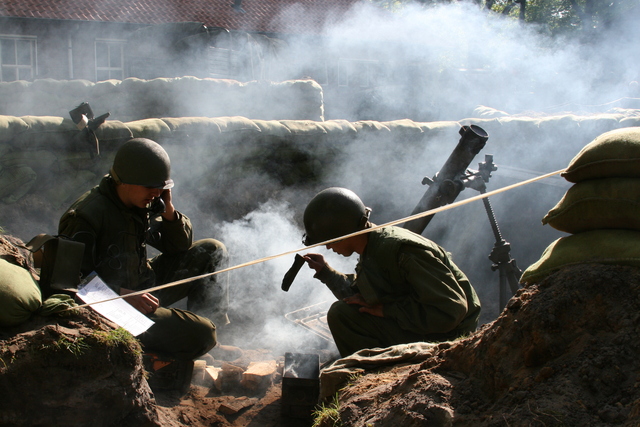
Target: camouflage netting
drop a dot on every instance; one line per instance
(134, 99)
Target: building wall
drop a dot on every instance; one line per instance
(65, 50)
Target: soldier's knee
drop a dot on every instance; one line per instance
(337, 313)
(205, 331)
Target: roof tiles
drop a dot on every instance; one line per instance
(271, 16)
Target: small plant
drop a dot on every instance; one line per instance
(353, 377)
(328, 415)
(119, 336)
(75, 346)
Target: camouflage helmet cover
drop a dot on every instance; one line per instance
(141, 161)
(332, 213)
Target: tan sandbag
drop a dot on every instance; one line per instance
(47, 133)
(272, 128)
(235, 124)
(337, 127)
(113, 132)
(619, 247)
(20, 295)
(11, 126)
(39, 160)
(630, 121)
(14, 87)
(15, 182)
(597, 203)
(104, 88)
(304, 127)
(370, 125)
(5, 148)
(153, 129)
(184, 128)
(442, 126)
(404, 127)
(73, 187)
(613, 154)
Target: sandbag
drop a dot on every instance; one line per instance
(304, 127)
(19, 294)
(338, 127)
(404, 127)
(113, 133)
(192, 125)
(272, 128)
(15, 182)
(11, 126)
(236, 124)
(619, 247)
(597, 203)
(153, 129)
(612, 154)
(370, 125)
(47, 133)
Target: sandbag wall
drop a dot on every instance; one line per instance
(135, 99)
(251, 159)
(600, 211)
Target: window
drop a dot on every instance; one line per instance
(18, 58)
(109, 59)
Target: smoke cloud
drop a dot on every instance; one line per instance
(426, 65)
(430, 64)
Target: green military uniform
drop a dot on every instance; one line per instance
(424, 294)
(115, 239)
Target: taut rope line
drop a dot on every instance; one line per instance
(366, 230)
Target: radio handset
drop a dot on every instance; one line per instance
(157, 206)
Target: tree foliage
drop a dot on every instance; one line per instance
(569, 16)
(578, 17)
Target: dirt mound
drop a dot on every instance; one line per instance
(564, 352)
(72, 370)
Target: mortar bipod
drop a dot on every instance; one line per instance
(500, 254)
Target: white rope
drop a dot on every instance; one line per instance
(366, 230)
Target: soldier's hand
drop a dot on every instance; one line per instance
(315, 261)
(170, 211)
(374, 309)
(144, 303)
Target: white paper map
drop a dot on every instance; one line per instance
(118, 311)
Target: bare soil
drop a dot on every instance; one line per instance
(563, 353)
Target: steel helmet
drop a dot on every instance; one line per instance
(332, 213)
(141, 161)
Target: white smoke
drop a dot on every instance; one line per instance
(257, 302)
(437, 64)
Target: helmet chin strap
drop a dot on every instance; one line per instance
(364, 221)
(115, 176)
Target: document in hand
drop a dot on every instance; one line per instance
(106, 302)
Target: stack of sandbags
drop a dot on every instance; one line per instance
(50, 155)
(601, 210)
(136, 99)
(20, 294)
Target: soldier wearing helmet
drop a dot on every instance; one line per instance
(131, 208)
(406, 288)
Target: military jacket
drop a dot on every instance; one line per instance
(416, 281)
(116, 237)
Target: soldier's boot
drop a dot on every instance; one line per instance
(167, 373)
